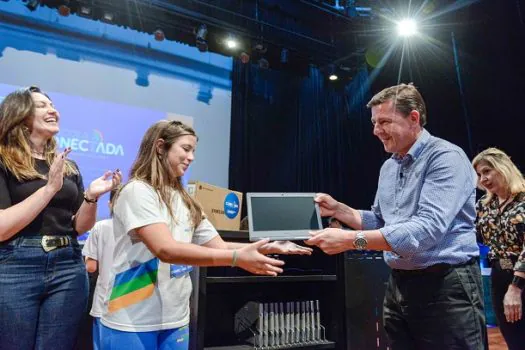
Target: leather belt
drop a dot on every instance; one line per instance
(47, 242)
(437, 269)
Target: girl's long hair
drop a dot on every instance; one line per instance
(153, 168)
(16, 113)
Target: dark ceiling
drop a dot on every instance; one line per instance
(319, 32)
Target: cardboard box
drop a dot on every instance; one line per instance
(222, 206)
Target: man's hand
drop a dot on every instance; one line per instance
(327, 204)
(285, 247)
(332, 240)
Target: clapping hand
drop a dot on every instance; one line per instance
(105, 183)
(55, 177)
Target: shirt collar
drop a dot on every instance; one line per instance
(416, 148)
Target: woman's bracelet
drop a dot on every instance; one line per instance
(91, 201)
(234, 258)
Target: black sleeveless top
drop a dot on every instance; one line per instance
(56, 218)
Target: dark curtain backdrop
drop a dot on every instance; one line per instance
(292, 133)
(493, 66)
(302, 134)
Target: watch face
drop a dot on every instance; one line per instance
(360, 243)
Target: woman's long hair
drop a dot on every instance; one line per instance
(153, 168)
(501, 162)
(16, 113)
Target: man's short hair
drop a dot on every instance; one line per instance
(406, 99)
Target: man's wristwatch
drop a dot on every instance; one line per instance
(518, 282)
(360, 242)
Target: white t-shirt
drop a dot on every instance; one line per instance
(146, 294)
(99, 246)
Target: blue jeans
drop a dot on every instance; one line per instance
(43, 296)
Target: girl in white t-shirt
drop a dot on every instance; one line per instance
(160, 233)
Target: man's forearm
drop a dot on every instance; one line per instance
(349, 216)
(376, 241)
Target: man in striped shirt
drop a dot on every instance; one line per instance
(423, 219)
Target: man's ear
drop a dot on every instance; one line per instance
(159, 146)
(415, 117)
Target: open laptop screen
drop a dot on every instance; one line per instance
(289, 216)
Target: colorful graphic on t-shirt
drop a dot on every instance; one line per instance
(134, 285)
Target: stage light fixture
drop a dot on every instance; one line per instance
(32, 5)
(260, 48)
(200, 38)
(64, 10)
(263, 63)
(245, 58)
(159, 35)
(108, 17)
(331, 72)
(84, 11)
(284, 55)
(407, 27)
(142, 78)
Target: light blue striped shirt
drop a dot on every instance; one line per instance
(425, 206)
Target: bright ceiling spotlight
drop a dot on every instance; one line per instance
(231, 43)
(407, 28)
(331, 72)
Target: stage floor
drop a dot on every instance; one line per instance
(496, 341)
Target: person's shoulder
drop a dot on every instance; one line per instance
(439, 147)
(521, 197)
(481, 202)
(440, 144)
(134, 186)
(3, 168)
(104, 223)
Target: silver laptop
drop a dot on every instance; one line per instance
(282, 216)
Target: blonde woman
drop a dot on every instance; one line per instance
(43, 207)
(160, 233)
(500, 223)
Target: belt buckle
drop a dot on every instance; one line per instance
(506, 264)
(50, 243)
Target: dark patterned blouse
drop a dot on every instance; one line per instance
(503, 233)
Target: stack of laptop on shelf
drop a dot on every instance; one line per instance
(279, 325)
